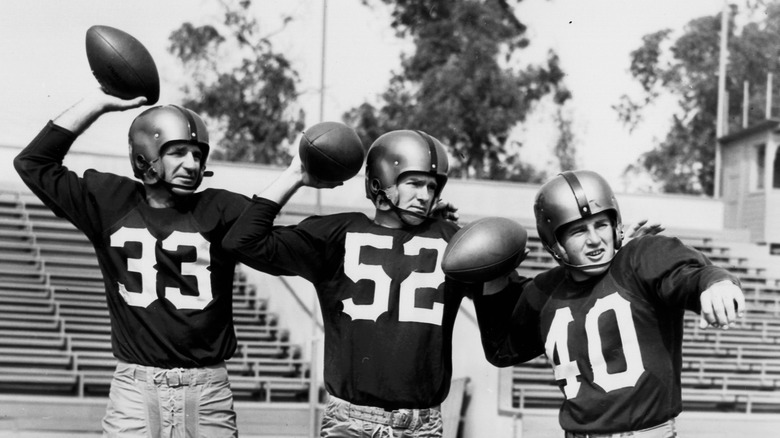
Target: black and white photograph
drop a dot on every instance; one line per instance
(389, 218)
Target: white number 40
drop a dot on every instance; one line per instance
(558, 339)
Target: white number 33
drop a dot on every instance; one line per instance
(145, 267)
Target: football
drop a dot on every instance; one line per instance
(121, 64)
(484, 250)
(331, 151)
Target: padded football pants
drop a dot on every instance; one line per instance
(153, 402)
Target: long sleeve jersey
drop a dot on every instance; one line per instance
(614, 341)
(168, 281)
(388, 311)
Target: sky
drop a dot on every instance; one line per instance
(45, 70)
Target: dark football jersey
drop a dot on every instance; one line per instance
(168, 281)
(614, 341)
(388, 311)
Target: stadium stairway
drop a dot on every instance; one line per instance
(54, 324)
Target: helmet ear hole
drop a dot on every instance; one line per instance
(141, 165)
(557, 251)
(375, 186)
(141, 161)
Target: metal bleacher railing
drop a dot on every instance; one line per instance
(723, 371)
(54, 324)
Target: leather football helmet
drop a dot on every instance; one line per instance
(159, 127)
(571, 196)
(398, 152)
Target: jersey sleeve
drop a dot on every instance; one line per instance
(287, 250)
(509, 323)
(675, 272)
(63, 191)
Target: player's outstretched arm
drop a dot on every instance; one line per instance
(721, 305)
(83, 113)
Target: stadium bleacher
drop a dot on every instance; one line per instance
(54, 323)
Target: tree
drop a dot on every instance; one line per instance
(688, 70)
(240, 82)
(463, 84)
(565, 148)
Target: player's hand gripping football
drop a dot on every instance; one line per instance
(98, 101)
(308, 179)
(90, 107)
(113, 103)
(721, 305)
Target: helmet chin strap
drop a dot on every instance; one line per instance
(169, 185)
(584, 268)
(402, 213)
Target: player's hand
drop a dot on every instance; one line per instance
(721, 305)
(496, 285)
(641, 228)
(108, 103)
(308, 179)
(89, 108)
(445, 210)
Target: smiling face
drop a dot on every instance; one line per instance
(588, 241)
(181, 164)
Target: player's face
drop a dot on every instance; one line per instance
(182, 165)
(416, 192)
(589, 241)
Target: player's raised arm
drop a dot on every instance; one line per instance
(83, 113)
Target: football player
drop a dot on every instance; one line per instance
(610, 317)
(388, 310)
(168, 282)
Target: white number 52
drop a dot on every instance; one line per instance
(407, 311)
